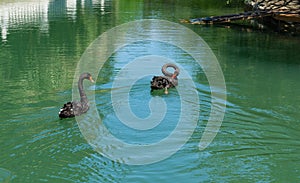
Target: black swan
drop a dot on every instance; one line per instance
(76, 108)
(168, 81)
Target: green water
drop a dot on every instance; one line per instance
(257, 142)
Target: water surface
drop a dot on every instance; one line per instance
(41, 44)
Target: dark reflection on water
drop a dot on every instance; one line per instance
(258, 140)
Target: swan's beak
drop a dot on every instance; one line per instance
(174, 76)
(91, 79)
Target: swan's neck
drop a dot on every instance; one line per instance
(82, 94)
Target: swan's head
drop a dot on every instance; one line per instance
(176, 73)
(169, 74)
(87, 76)
(90, 78)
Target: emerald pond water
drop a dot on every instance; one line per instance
(41, 44)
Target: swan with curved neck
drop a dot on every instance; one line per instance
(76, 108)
(169, 80)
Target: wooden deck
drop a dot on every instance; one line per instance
(284, 16)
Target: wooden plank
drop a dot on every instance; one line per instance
(288, 17)
(284, 16)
